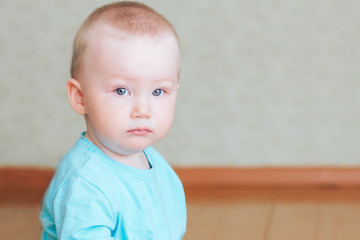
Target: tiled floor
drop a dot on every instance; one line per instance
(229, 213)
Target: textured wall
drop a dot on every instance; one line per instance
(264, 83)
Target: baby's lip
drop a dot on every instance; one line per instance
(141, 131)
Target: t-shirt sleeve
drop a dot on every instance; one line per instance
(82, 211)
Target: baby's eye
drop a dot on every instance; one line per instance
(121, 91)
(158, 92)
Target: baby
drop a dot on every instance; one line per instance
(124, 81)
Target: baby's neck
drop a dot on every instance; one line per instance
(137, 160)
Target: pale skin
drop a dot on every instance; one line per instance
(127, 90)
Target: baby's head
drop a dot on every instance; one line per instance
(124, 77)
(130, 19)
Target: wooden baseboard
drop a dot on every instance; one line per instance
(270, 177)
(23, 184)
(28, 184)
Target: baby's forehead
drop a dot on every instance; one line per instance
(104, 32)
(108, 46)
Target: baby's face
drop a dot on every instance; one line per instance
(130, 89)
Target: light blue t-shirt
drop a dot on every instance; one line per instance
(94, 197)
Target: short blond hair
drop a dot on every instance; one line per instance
(128, 17)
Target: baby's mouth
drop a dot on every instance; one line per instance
(140, 131)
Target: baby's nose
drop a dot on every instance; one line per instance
(141, 108)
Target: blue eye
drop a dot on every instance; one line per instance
(158, 92)
(121, 91)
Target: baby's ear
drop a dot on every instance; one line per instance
(75, 96)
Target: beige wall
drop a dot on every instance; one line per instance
(264, 83)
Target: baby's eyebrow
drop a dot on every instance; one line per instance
(120, 78)
(166, 80)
